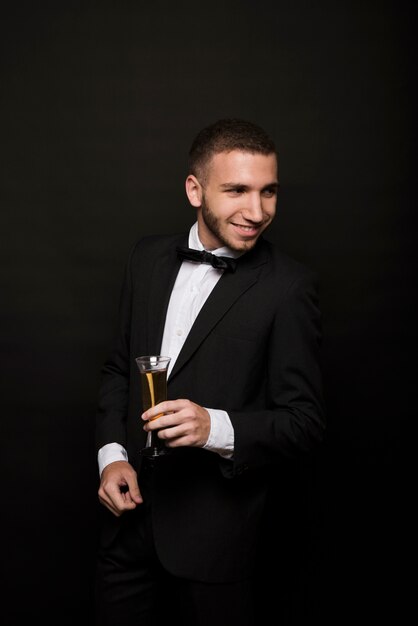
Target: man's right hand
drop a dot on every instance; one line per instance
(119, 490)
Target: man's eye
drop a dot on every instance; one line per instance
(269, 193)
(236, 191)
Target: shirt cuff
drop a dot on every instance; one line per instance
(221, 435)
(110, 453)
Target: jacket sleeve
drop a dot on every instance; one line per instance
(114, 387)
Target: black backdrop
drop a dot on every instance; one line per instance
(99, 104)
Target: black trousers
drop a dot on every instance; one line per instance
(133, 589)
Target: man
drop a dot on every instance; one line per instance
(244, 393)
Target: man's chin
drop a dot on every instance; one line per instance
(243, 246)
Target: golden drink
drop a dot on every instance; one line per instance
(153, 388)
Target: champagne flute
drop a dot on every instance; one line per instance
(153, 377)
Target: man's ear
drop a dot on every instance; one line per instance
(194, 191)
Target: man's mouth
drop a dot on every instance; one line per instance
(245, 229)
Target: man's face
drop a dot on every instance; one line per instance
(237, 200)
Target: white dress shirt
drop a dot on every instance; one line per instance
(193, 285)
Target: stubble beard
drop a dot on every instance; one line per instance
(212, 223)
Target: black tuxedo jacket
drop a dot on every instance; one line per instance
(252, 351)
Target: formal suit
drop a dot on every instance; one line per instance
(252, 351)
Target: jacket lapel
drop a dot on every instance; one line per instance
(226, 292)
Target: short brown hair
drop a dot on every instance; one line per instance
(226, 135)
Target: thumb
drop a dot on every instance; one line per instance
(133, 488)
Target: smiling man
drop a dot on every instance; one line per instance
(241, 324)
(236, 201)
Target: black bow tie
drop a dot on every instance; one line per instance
(201, 256)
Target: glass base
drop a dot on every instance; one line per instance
(153, 452)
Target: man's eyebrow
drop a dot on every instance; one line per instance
(274, 184)
(229, 185)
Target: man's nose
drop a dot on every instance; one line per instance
(254, 208)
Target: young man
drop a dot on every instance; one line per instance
(244, 393)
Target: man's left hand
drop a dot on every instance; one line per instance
(179, 423)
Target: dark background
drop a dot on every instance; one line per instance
(99, 104)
